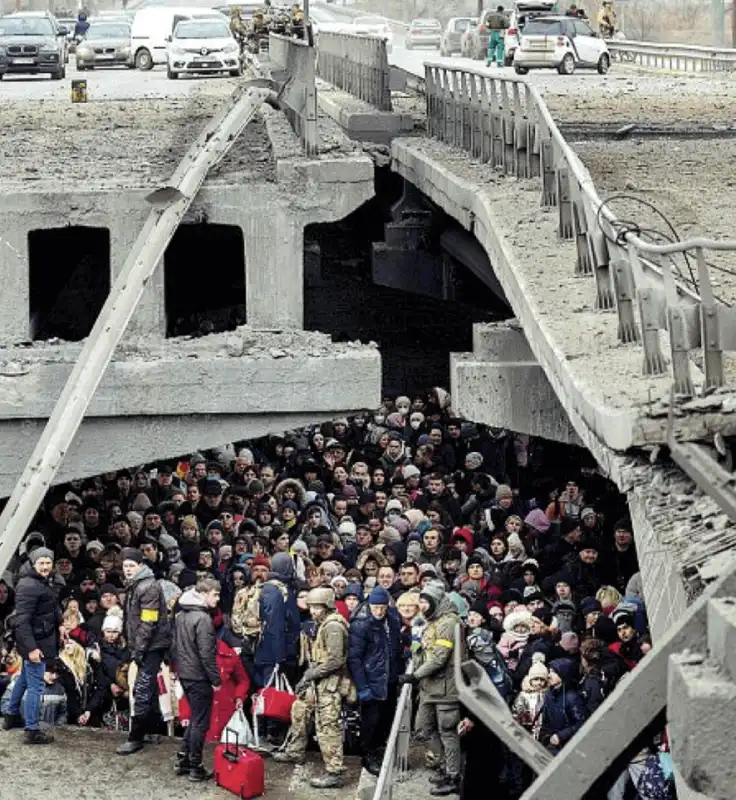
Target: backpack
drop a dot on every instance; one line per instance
(246, 615)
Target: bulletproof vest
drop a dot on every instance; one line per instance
(320, 654)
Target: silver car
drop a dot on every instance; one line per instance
(106, 44)
(424, 33)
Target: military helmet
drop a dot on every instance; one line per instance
(321, 596)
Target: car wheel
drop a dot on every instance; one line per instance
(143, 60)
(604, 64)
(236, 73)
(521, 70)
(508, 61)
(172, 76)
(567, 65)
(80, 68)
(59, 75)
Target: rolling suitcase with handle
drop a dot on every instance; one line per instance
(238, 769)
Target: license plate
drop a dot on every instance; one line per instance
(24, 60)
(106, 57)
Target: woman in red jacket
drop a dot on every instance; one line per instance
(229, 697)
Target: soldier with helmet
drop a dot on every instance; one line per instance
(607, 20)
(321, 690)
(237, 26)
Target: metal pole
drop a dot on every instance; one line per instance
(168, 208)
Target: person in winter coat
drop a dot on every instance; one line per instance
(374, 660)
(280, 622)
(439, 707)
(148, 634)
(229, 698)
(194, 653)
(563, 712)
(36, 627)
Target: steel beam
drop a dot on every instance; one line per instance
(169, 205)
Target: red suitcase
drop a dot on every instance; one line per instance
(239, 770)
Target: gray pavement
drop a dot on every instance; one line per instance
(82, 765)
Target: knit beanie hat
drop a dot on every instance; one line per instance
(379, 597)
(480, 607)
(40, 552)
(537, 669)
(503, 491)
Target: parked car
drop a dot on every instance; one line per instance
(106, 44)
(423, 33)
(202, 46)
(474, 42)
(63, 37)
(521, 13)
(561, 43)
(30, 44)
(451, 36)
(152, 27)
(374, 26)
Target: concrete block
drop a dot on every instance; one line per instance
(513, 395)
(105, 444)
(501, 341)
(361, 121)
(14, 321)
(271, 382)
(722, 633)
(701, 711)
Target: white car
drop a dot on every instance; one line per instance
(561, 43)
(424, 33)
(521, 13)
(201, 46)
(374, 26)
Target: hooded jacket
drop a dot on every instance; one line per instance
(298, 486)
(433, 662)
(147, 623)
(563, 712)
(280, 621)
(37, 616)
(374, 652)
(195, 641)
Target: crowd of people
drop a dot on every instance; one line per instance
(348, 559)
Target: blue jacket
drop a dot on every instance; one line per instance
(280, 626)
(563, 711)
(374, 652)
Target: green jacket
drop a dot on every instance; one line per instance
(433, 662)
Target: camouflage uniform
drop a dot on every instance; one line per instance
(439, 708)
(323, 697)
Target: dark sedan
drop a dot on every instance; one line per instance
(106, 44)
(30, 45)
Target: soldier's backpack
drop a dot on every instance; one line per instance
(246, 615)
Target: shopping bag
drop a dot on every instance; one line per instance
(275, 700)
(238, 729)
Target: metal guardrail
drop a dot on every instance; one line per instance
(168, 207)
(396, 758)
(293, 66)
(505, 122)
(676, 57)
(357, 65)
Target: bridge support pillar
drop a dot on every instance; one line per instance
(501, 384)
(14, 267)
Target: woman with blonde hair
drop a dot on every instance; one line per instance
(609, 598)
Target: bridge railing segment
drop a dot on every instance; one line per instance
(357, 65)
(673, 56)
(503, 121)
(292, 63)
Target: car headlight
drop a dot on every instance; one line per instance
(48, 49)
(84, 51)
(3, 51)
(177, 51)
(230, 48)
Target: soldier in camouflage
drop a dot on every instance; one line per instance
(320, 692)
(439, 707)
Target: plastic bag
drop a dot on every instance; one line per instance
(239, 729)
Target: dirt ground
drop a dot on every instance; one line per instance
(118, 143)
(82, 765)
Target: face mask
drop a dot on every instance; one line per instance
(402, 409)
(415, 423)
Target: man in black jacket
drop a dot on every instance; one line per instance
(195, 658)
(36, 627)
(148, 635)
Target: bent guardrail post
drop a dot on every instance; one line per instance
(710, 329)
(478, 694)
(396, 755)
(293, 67)
(168, 207)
